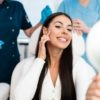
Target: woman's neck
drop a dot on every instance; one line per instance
(55, 55)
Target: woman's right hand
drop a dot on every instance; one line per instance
(93, 92)
(42, 48)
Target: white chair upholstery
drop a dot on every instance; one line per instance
(33, 42)
(78, 44)
(4, 91)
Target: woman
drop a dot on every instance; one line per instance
(85, 13)
(51, 71)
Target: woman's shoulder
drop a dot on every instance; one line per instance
(27, 60)
(21, 68)
(30, 60)
(25, 64)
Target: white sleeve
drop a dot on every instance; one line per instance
(16, 75)
(82, 75)
(28, 80)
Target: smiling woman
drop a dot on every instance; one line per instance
(60, 32)
(51, 71)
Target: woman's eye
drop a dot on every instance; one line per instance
(69, 30)
(58, 26)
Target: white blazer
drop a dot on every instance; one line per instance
(26, 75)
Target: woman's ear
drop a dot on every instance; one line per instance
(45, 32)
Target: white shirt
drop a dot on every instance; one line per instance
(26, 75)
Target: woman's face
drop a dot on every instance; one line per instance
(60, 32)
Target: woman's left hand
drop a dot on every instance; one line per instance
(80, 26)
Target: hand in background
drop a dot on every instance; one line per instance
(45, 13)
(80, 26)
(93, 92)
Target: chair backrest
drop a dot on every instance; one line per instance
(78, 44)
(33, 42)
(4, 91)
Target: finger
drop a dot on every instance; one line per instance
(44, 38)
(45, 9)
(76, 20)
(93, 94)
(43, 41)
(95, 88)
(79, 32)
(76, 25)
(90, 97)
(77, 28)
(48, 8)
(97, 77)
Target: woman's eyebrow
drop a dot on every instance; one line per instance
(62, 23)
(58, 22)
(69, 25)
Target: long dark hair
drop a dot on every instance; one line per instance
(65, 67)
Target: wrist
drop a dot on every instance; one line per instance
(41, 57)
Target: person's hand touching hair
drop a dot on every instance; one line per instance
(80, 26)
(45, 13)
(42, 47)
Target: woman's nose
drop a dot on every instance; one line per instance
(64, 31)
